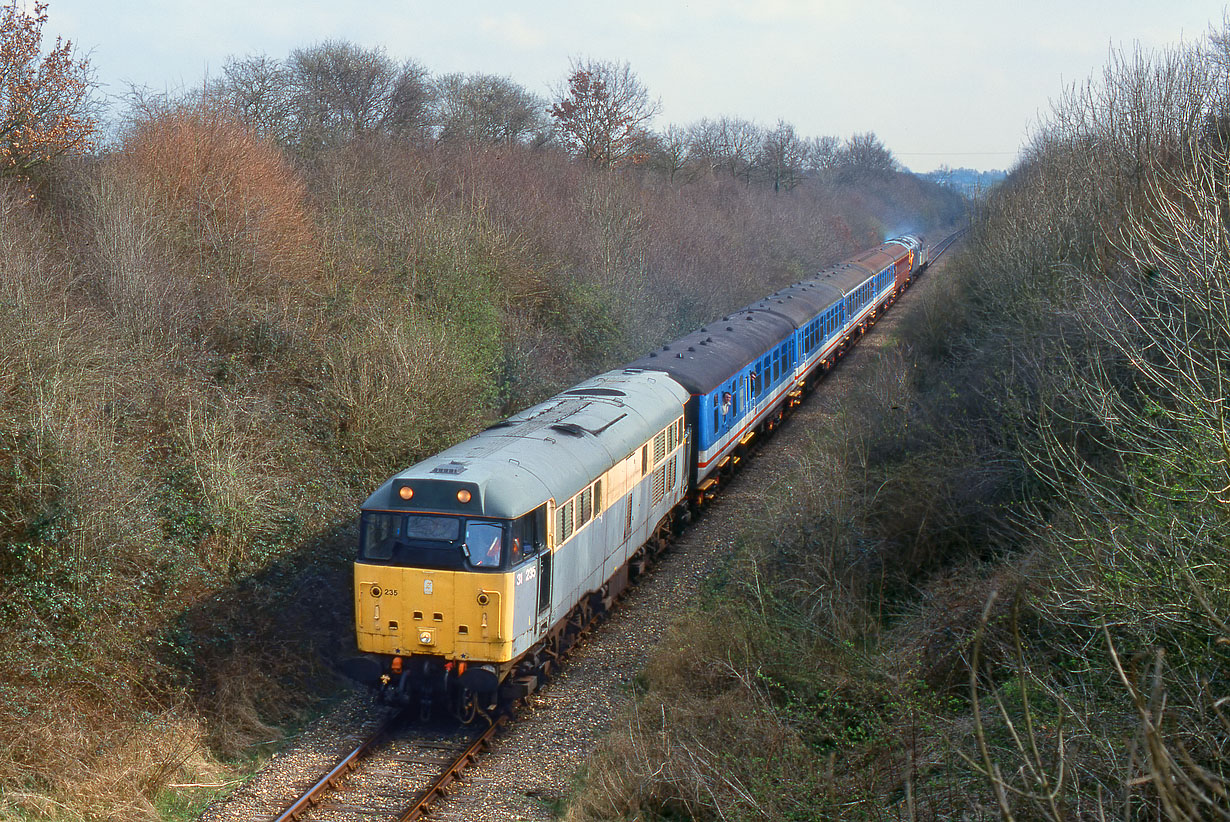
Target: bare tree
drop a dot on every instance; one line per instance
(705, 145)
(670, 153)
(486, 108)
(258, 90)
(781, 156)
(820, 153)
(864, 153)
(729, 143)
(602, 111)
(343, 90)
(741, 140)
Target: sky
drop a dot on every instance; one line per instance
(946, 82)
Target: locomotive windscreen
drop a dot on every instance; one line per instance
(433, 542)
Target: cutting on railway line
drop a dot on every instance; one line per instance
(478, 566)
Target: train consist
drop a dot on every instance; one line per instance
(478, 566)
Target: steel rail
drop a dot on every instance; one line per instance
(464, 760)
(343, 766)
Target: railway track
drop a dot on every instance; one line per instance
(396, 773)
(401, 768)
(944, 244)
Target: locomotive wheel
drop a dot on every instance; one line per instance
(465, 707)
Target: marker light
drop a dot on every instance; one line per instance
(405, 492)
(463, 496)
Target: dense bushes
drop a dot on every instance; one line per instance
(1003, 589)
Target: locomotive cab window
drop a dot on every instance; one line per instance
(434, 542)
(484, 543)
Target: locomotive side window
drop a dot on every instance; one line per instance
(528, 535)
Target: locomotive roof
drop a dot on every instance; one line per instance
(553, 449)
(886, 253)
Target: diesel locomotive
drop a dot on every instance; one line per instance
(478, 566)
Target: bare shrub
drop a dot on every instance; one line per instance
(397, 390)
(236, 208)
(151, 302)
(30, 275)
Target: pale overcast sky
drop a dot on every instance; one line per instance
(946, 82)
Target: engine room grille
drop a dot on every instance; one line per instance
(659, 447)
(659, 484)
(563, 523)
